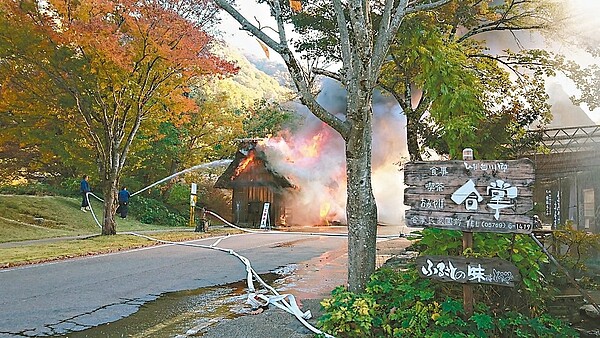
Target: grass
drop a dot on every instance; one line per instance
(64, 249)
(36, 217)
(45, 217)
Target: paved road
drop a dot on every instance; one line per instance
(72, 295)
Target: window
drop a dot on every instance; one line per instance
(589, 206)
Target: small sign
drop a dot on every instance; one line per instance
(265, 216)
(193, 200)
(468, 270)
(490, 196)
(194, 188)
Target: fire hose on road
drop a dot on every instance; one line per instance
(286, 302)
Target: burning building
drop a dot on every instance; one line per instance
(254, 184)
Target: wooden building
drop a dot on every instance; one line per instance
(568, 177)
(254, 183)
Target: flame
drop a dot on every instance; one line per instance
(325, 207)
(312, 148)
(318, 170)
(320, 195)
(243, 164)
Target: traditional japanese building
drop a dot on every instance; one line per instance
(254, 184)
(568, 177)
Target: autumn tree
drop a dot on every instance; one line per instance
(363, 45)
(25, 152)
(105, 67)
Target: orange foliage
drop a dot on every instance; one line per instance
(264, 48)
(296, 5)
(138, 50)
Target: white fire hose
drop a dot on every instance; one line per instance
(286, 302)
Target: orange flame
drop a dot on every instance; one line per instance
(243, 165)
(325, 207)
(312, 149)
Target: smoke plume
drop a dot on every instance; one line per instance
(312, 156)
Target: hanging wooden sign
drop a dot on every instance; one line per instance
(468, 270)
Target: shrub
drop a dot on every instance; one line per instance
(400, 304)
(151, 211)
(67, 187)
(530, 295)
(576, 248)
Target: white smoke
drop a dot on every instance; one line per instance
(580, 32)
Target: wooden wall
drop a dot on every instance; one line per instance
(248, 204)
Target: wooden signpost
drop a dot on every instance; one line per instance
(471, 196)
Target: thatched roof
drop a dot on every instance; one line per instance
(257, 172)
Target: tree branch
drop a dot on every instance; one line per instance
(325, 72)
(348, 66)
(297, 72)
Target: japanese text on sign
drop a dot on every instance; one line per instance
(463, 270)
(467, 224)
(479, 195)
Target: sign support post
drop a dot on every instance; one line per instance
(492, 196)
(193, 204)
(467, 243)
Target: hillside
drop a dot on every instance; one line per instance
(35, 217)
(250, 83)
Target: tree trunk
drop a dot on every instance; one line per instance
(110, 188)
(361, 209)
(412, 136)
(110, 192)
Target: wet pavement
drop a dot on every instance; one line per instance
(198, 312)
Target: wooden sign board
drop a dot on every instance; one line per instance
(468, 270)
(487, 196)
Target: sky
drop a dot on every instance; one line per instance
(582, 22)
(242, 39)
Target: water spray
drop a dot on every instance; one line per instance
(214, 164)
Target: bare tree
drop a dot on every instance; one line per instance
(363, 46)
